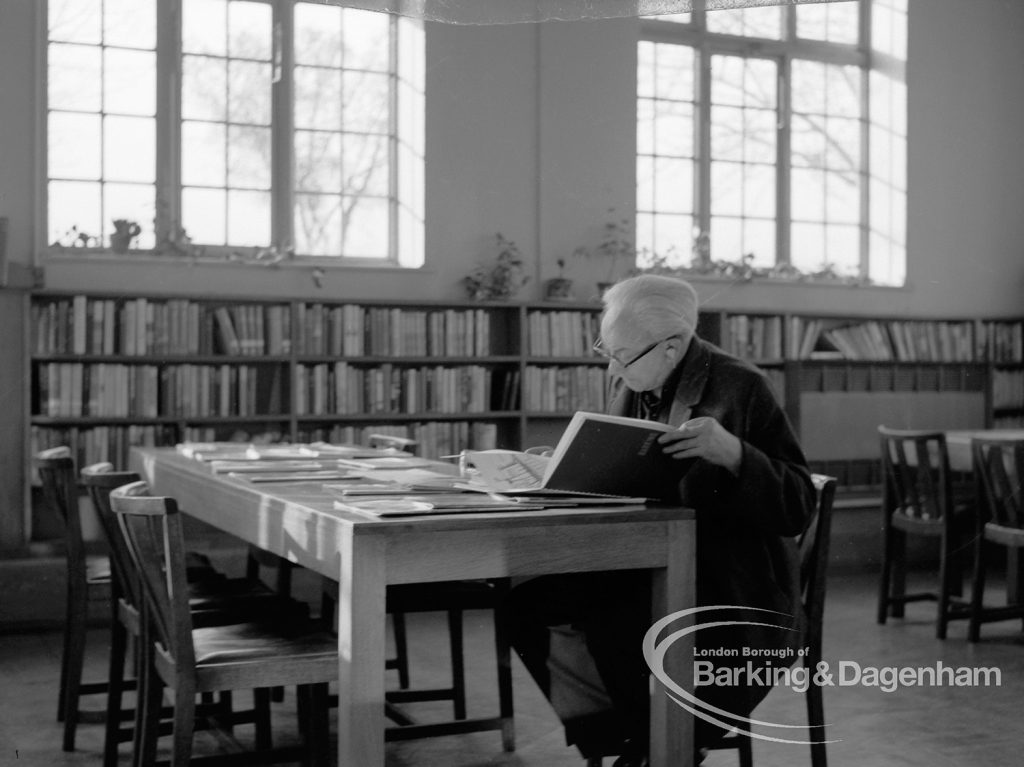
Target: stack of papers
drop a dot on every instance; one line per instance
(433, 503)
(315, 475)
(240, 451)
(326, 449)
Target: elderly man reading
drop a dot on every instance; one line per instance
(752, 492)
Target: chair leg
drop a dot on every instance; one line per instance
(886, 577)
(148, 733)
(946, 570)
(184, 724)
(261, 704)
(320, 726)
(75, 656)
(977, 590)
(816, 722)
(302, 709)
(898, 586)
(745, 749)
(503, 657)
(115, 686)
(65, 655)
(401, 649)
(312, 704)
(1014, 576)
(226, 710)
(458, 663)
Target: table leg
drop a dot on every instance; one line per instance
(671, 725)
(361, 639)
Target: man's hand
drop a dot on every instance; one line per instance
(704, 438)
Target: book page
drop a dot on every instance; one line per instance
(508, 469)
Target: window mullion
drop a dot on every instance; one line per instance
(168, 120)
(864, 38)
(702, 178)
(282, 183)
(783, 213)
(393, 160)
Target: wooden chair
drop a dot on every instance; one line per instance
(814, 549)
(452, 598)
(88, 580)
(999, 470)
(192, 660)
(214, 599)
(918, 499)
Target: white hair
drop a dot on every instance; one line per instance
(654, 304)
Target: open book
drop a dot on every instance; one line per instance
(598, 454)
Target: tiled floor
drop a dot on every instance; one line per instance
(927, 726)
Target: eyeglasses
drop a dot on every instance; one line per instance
(599, 347)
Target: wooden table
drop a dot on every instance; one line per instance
(958, 444)
(297, 521)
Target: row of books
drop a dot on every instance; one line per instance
(68, 389)
(139, 327)
(753, 337)
(904, 341)
(100, 443)
(1001, 341)
(564, 389)
(434, 439)
(196, 391)
(349, 390)
(561, 333)
(352, 330)
(74, 389)
(1008, 422)
(1008, 389)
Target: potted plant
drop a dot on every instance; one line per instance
(558, 288)
(616, 245)
(500, 281)
(124, 232)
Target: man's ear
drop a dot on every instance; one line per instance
(680, 345)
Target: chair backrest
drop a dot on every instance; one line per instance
(916, 465)
(153, 533)
(814, 550)
(100, 480)
(999, 466)
(60, 491)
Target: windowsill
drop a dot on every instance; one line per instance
(148, 257)
(699, 277)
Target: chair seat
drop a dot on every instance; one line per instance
(259, 641)
(97, 569)
(912, 523)
(1007, 536)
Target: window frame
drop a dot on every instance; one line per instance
(168, 172)
(782, 51)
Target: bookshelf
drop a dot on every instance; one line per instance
(109, 372)
(112, 371)
(845, 375)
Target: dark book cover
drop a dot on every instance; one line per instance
(611, 455)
